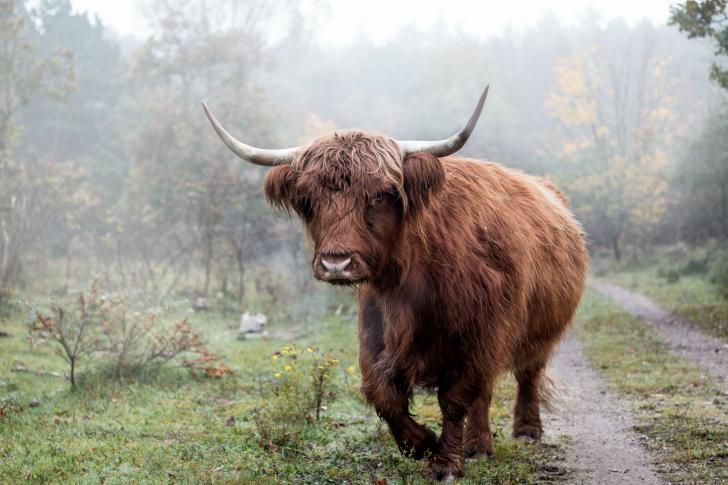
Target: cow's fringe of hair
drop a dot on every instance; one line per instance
(357, 154)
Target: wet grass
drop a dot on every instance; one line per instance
(173, 428)
(681, 414)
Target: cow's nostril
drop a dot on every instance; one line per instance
(336, 266)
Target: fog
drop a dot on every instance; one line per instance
(343, 22)
(110, 167)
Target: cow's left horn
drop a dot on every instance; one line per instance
(443, 148)
(258, 156)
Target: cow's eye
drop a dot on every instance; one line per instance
(380, 199)
(304, 207)
(383, 213)
(378, 206)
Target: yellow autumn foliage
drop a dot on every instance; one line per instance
(617, 142)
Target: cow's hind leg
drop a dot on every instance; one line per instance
(478, 442)
(527, 412)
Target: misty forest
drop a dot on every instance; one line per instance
(159, 320)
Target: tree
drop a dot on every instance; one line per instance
(24, 73)
(31, 191)
(183, 186)
(612, 103)
(706, 19)
(703, 179)
(78, 129)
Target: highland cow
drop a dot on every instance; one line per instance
(464, 269)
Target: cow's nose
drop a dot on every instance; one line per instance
(336, 266)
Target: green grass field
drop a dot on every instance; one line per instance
(172, 428)
(168, 426)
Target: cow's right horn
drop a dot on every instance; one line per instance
(443, 148)
(258, 156)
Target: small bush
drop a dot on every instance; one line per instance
(208, 363)
(9, 405)
(295, 396)
(719, 273)
(671, 275)
(7, 303)
(73, 328)
(127, 341)
(135, 342)
(693, 265)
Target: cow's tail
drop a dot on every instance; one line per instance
(554, 395)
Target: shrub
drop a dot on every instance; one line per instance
(696, 266)
(296, 395)
(134, 342)
(671, 275)
(73, 328)
(719, 273)
(128, 341)
(9, 405)
(207, 363)
(7, 303)
(693, 265)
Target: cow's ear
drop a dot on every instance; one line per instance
(278, 187)
(423, 177)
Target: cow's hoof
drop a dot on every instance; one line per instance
(445, 472)
(425, 444)
(478, 451)
(478, 455)
(528, 432)
(446, 476)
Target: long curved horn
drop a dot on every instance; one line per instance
(258, 156)
(443, 148)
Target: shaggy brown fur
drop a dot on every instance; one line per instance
(465, 269)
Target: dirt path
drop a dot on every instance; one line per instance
(603, 449)
(684, 339)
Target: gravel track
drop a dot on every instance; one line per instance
(602, 447)
(683, 338)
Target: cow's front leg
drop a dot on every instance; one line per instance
(389, 396)
(391, 401)
(455, 398)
